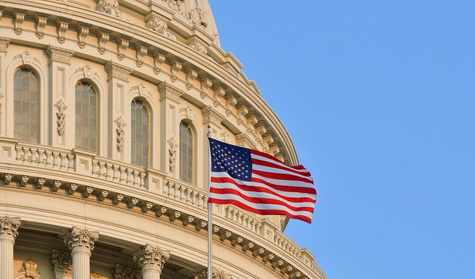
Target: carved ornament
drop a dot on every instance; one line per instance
(110, 7)
(41, 20)
(61, 261)
(151, 257)
(60, 116)
(30, 269)
(119, 121)
(76, 238)
(9, 227)
(172, 153)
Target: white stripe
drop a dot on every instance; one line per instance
(271, 181)
(261, 206)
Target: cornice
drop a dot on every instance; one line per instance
(268, 255)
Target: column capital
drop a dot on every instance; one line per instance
(83, 239)
(4, 42)
(168, 91)
(150, 257)
(59, 54)
(9, 227)
(116, 70)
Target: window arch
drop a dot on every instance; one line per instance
(140, 130)
(86, 116)
(26, 105)
(186, 152)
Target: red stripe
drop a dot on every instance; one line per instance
(291, 189)
(257, 211)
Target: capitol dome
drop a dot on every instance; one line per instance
(104, 110)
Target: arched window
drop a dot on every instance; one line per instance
(86, 117)
(186, 152)
(140, 130)
(26, 106)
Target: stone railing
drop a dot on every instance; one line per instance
(51, 158)
(114, 171)
(185, 194)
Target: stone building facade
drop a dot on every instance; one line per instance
(104, 110)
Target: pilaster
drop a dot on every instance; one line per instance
(62, 127)
(152, 260)
(8, 232)
(169, 101)
(4, 42)
(81, 244)
(119, 114)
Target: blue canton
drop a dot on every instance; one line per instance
(234, 160)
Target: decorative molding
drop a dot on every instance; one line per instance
(119, 121)
(142, 91)
(58, 54)
(149, 256)
(30, 269)
(122, 45)
(158, 60)
(199, 47)
(205, 84)
(103, 38)
(172, 149)
(62, 26)
(4, 43)
(9, 226)
(189, 113)
(60, 115)
(83, 31)
(175, 67)
(141, 50)
(231, 102)
(110, 7)
(159, 26)
(196, 16)
(41, 20)
(115, 70)
(87, 72)
(191, 75)
(19, 17)
(84, 239)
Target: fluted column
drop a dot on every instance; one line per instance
(8, 233)
(81, 244)
(152, 260)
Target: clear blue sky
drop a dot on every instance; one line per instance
(378, 97)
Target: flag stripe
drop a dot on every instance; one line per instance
(255, 191)
(304, 216)
(257, 182)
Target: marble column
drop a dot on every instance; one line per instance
(152, 260)
(8, 232)
(81, 244)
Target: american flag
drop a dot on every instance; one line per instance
(259, 183)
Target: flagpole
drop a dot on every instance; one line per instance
(210, 212)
